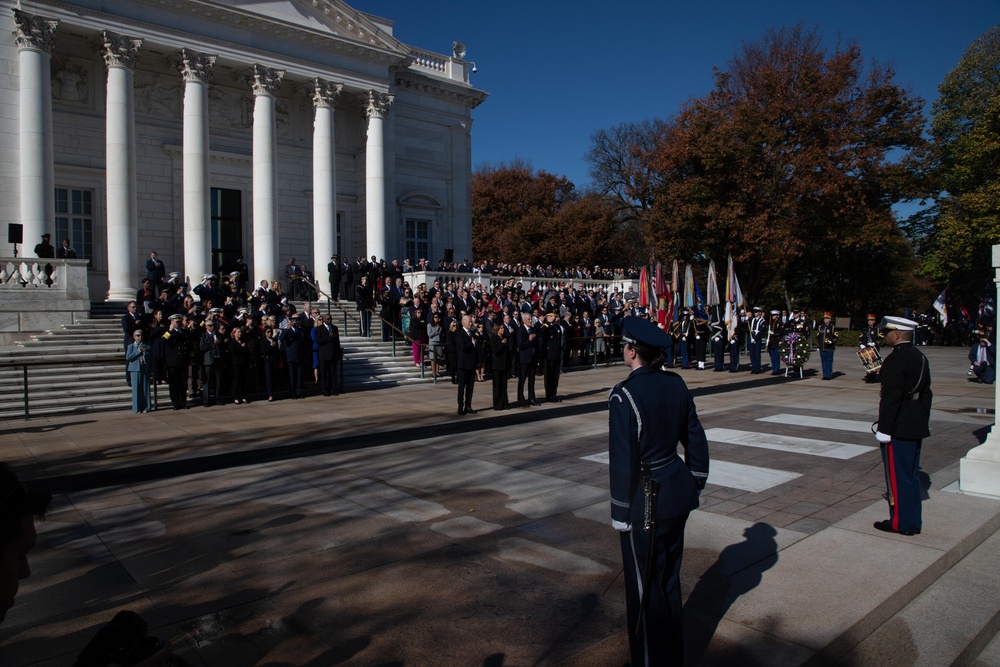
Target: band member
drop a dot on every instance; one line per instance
(758, 334)
(904, 412)
(826, 342)
(653, 490)
(871, 336)
(718, 340)
(736, 335)
(775, 331)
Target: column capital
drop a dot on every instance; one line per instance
(119, 50)
(325, 93)
(377, 104)
(34, 32)
(195, 66)
(264, 80)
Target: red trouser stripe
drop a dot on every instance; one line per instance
(893, 488)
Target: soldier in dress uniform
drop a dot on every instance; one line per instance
(871, 336)
(653, 490)
(758, 332)
(775, 331)
(718, 340)
(177, 351)
(685, 338)
(826, 342)
(904, 412)
(735, 337)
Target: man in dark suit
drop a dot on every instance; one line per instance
(131, 321)
(467, 358)
(552, 350)
(335, 270)
(330, 353)
(526, 339)
(156, 273)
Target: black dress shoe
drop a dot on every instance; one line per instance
(535, 403)
(461, 411)
(886, 527)
(470, 411)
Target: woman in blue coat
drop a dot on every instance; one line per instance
(137, 357)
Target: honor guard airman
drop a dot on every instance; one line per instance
(653, 490)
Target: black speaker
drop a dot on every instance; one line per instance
(15, 232)
(449, 255)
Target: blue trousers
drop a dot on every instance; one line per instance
(755, 356)
(901, 460)
(826, 360)
(685, 358)
(775, 360)
(734, 356)
(718, 354)
(140, 391)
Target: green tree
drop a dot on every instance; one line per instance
(792, 164)
(965, 221)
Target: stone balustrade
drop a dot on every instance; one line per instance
(488, 281)
(40, 294)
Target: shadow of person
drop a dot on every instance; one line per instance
(925, 485)
(738, 570)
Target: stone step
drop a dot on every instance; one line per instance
(951, 622)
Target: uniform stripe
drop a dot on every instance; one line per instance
(892, 481)
(638, 417)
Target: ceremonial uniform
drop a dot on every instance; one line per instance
(734, 345)
(826, 342)
(871, 336)
(718, 341)
(758, 330)
(650, 412)
(177, 353)
(775, 331)
(903, 422)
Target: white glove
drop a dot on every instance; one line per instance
(621, 526)
(861, 345)
(871, 344)
(882, 437)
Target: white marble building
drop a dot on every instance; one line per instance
(211, 129)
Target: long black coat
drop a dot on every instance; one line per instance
(904, 409)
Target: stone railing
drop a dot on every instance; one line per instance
(39, 294)
(435, 63)
(489, 281)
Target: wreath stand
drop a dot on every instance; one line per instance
(792, 370)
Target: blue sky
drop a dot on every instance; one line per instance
(558, 70)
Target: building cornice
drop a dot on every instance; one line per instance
(377, 51)
(466, 95)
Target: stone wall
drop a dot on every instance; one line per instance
(34, 298)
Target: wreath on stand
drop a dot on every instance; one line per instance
(795, 349)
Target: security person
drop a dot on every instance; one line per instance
(653, 490)
(904, 412)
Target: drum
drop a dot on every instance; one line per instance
(870, 359)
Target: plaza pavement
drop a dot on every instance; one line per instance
(380, 528)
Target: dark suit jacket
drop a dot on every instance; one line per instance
(329, 343)
(904, 409)
(526, 348)
(465, 346)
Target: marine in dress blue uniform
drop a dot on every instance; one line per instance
(904, 412)
(650, 412)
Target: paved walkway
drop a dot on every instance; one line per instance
(379, 528)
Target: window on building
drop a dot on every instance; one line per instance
(227, 228)
(417, 239)
(75, 221)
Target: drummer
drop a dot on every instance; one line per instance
(871, 337)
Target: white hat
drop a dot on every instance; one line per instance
(898, 323)
(234, 273)
(207, 276)
(175, 274)
(776, 312)
(175, 316)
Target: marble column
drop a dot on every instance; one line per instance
(33, 36)
(265, 81)
(376, 109)
(324, 94)
(119, 54)
(196, 69)
(979, 471)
